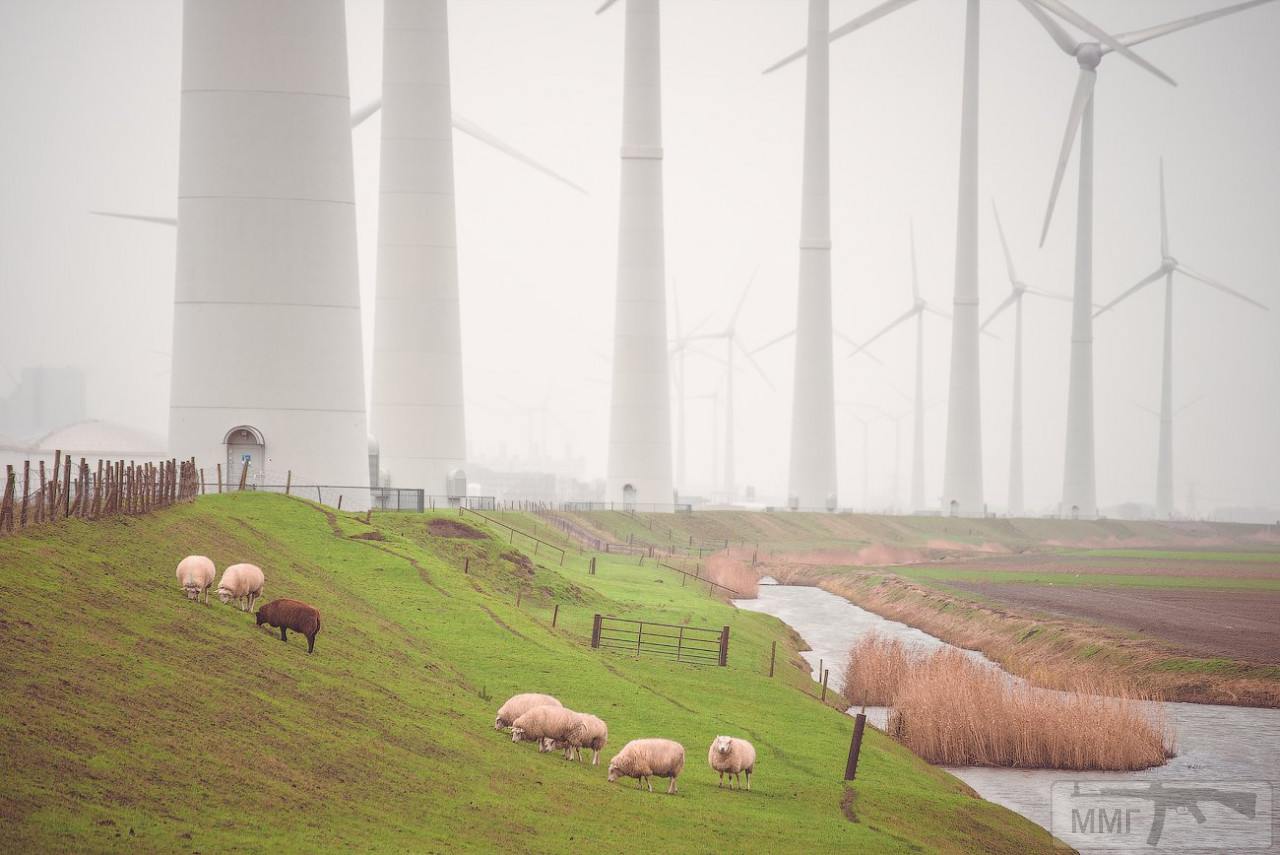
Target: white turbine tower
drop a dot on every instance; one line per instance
(1168, 266)
(267, 362)
(813, 477)
(962, 483)
(917, 311)
(639, 418)
(1019, 290)
(733, 344)
(1079, 490)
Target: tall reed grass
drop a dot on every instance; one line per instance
(953, 710)
(734, 573)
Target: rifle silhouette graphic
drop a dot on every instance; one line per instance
(1188, 799)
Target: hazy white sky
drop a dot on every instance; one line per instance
(89, 90)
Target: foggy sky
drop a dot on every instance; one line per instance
(90, 94)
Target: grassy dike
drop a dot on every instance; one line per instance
(131, 719)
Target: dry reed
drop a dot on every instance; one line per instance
(724, 569)
(877, 667)
(953, 710)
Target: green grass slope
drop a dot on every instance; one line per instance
(131, 719)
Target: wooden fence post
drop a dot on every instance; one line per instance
(724, 646)
(202, 480)
(26, 483)
(851, 765)
(519, 592)
(66, 486)
(288, 482)
(773, 654)
(466, 567)
(555, 616)
(595, 631)
(825, 674)
(219, 477)
(244, 475)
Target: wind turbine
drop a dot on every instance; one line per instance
(812, 478)
(681, 346)
(640, 409)
(962, 483)
(733, 344)
(1079, 491)
(1168, 266)
(919, 306)
(1019, 289)
(358, 116)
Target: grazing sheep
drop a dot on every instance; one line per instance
(294, 615)
(196, 574)
(518, 705)
(644, 758)
(242, 583)
(541, 724)
(732, 757)
(588, 732)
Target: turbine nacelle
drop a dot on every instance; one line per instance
(1088, 55)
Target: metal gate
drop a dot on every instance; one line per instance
(695, 645)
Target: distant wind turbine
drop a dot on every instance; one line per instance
(1168, 266)
(1019, 289)
(680, 347)
(962, 482)
(1079, 492)
(919, 306)
(733, 345)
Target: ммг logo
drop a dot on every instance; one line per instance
(1161, 815)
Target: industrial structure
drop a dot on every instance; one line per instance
(267, 359)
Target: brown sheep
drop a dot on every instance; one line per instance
(291, 614)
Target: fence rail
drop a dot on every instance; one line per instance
(538, 542)
(695, 645)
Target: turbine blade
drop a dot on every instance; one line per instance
(771, 342)
(1008, 256)
(1077, 20)
(733, 319)
(1148, 410)
(1008, 301)
(1136, 37)
(756, 365)
(142, 218)
(939, 312)
(1056, 31)
(862, 20)
(1079, 101)
(907, 315)
(471, 129)
(607, 4)
(1052, 295)
(915, 281)
(1164, 217)
(360, 114)
(859, 348)
(1189, 404)
(1212, 283)
(1143, 283)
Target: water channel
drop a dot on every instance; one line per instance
(1215, 744)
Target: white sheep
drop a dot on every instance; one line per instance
(518, 705)
(644, 758)
(544, 725)
(196, 574)
(588, 732)
(242, 583)
(732, 757)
